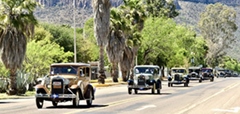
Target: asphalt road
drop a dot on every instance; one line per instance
(219, 97)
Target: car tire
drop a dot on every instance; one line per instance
(54, 103)
(158, 91)
(135, 91)
(169, 84)
(76, 100)
(154, 88)
(129, 91)
(185, 84)
(211, 80)
(39, 103)
(200, 80)
(89, 102)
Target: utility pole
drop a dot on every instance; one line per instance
(75, 53)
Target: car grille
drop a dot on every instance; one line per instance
(141, 80)
(205, 75)
(177, 77)
(57, 86)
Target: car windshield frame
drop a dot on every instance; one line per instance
(178, 70)
(72, 70)
(146, 70)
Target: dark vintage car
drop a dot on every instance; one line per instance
(66, 82)
(178, 76)
(207, 74)
(195, 73)
(145, 77)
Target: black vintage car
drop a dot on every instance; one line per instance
(207, 74)
(194, 73)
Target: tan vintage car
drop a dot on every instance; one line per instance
(66, 82)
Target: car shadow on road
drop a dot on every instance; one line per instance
(153, 94)
(181, 86)
(74, 107)
(5, 102)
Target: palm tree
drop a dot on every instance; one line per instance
(101, 10)
(16, 25)
(134, 10)
(116, 44)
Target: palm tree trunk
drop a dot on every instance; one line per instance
(12, 90)
(101, 75)
(115, 72)
(124, 76)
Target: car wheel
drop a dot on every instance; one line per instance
(211, 80)
(136, 91)
(185, 84)
(169, 84)
(54, 103)
(153, 89)
(76, 100)
(200, 80)
(89, 102)
(158, 91)
(129, 91)
(39, 102)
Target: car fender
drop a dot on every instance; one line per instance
(130, 82)
(159, 84)
(40, 87)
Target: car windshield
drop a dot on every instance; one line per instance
(178, 70)
(149, 70)
(194, 70)
(63, 70)
(207, 70)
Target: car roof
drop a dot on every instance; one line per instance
(70, 64)
(194, 67)
(147, 66)
(178, 68)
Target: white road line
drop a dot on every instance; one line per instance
(233, 110)
(145, 107)
(206, 99)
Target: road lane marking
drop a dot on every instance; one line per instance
(233, 110)
(206, 99)
(109, 105)
(145, 107)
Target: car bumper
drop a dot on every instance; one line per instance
(177, 82)
(54, 96)
(140, 87)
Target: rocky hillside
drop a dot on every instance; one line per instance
(61, 12)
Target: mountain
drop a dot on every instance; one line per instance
(61, 12)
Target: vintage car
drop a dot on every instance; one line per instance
(145, 77)
(194, 73)
(207, 74)
(66, 82)
(178, 76)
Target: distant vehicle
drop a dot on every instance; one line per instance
(66, 82)
(178, 76)
(195, 73)
(207, 74)
(145, 77)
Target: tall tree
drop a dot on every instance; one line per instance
(101, 10)
(161, 8)
(116, 41)
(134, 11)
(16, 25)
(217, 25)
